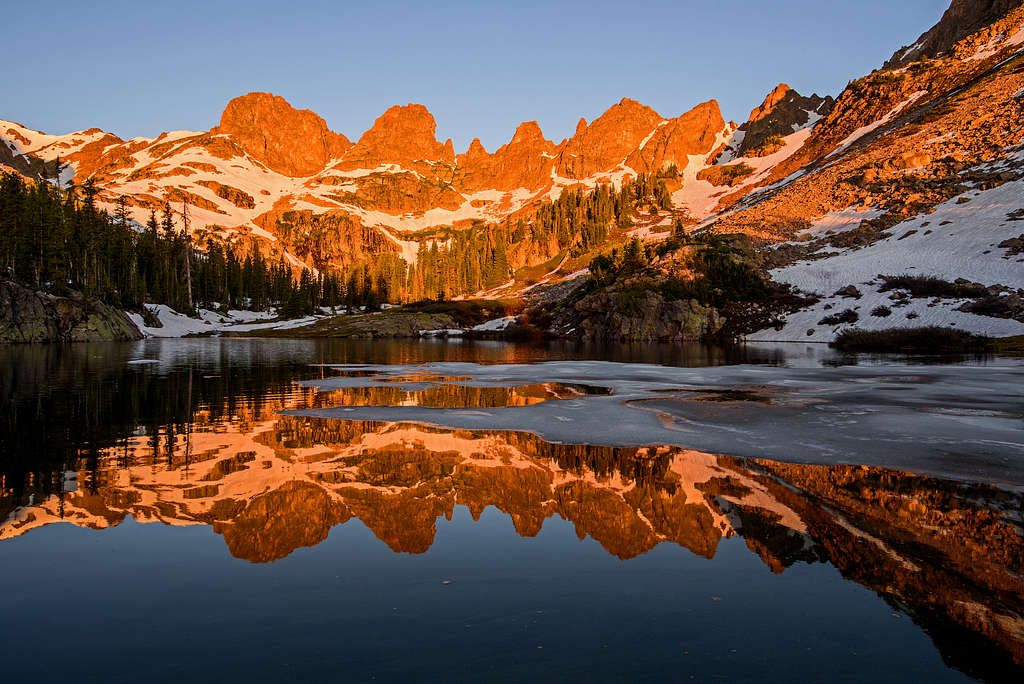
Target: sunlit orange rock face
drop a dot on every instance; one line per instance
(607, 141)
(773, 98)
(91, 156)
(525, 162)
(403, 135)
(695, 132)
(290, 141)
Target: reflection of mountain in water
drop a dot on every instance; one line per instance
(949, 554)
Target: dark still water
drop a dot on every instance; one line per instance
(247, 510)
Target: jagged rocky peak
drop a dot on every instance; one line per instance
(608, 140)
(963, 18)
(783, 112)
(674, 140)
(476, 151)
(773, 99)
(293, 142)
(402, 135)
(529, 133)
(523, 162)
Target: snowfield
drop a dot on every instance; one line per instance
(176, 324)
(495, 325)
(965, 247)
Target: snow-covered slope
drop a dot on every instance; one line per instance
(959, 240)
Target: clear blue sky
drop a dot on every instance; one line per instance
(139, 68)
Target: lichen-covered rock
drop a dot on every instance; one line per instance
(636, 316)
(30, 316)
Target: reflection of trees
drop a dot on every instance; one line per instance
(62, 404)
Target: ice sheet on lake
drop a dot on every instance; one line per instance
(962, 421)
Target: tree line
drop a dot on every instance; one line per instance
(58, 239)
(480, 258)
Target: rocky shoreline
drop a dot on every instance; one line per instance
(28, 316)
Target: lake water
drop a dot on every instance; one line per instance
(274, 510)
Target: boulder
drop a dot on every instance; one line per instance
(643, 316)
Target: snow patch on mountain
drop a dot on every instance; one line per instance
(700, 198)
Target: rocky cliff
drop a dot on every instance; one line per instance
(963, 18)
(290, 141)
(525, 162)
(783, 111)
(29, 316)
(673, 141)
(403, 135)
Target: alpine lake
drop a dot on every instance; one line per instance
(261, 510)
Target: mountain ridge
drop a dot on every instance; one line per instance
(895, 144)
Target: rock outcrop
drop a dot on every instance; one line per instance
(29, 316)
(635, 316)
(290, 141)
(781, 113)
(963, 18)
